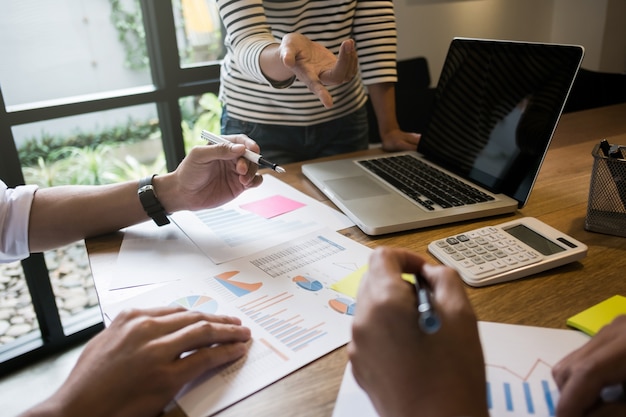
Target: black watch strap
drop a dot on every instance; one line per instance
(150, 202)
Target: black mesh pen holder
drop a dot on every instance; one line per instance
(606, 208)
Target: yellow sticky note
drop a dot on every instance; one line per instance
(594, 318)
(350, 284)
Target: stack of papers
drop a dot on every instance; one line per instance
(270, 257)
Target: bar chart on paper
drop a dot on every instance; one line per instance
(518, 365)
(510, 394)
(291, 328)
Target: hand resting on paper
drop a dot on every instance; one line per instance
(585, 373)
(134, 368)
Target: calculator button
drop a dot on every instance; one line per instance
(481, 269)
(481, 241)
(466, 263)
(449, 250)
(462, 238)
(457, 256)
(441, 243)
(509, 250)
(520, 257)
(499, 264)
(452, 241)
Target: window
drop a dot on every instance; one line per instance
(92, 92)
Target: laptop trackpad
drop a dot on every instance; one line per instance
(355, 187)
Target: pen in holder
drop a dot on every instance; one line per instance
(606, 208)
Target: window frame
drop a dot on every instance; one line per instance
(170, 82)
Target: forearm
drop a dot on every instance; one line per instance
(62, 215)
(383, 98)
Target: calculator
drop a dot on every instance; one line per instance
(508, 251)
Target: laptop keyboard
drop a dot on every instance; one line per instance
(423, 183)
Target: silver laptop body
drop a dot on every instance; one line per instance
(496, 107)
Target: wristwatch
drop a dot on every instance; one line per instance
(150, 202)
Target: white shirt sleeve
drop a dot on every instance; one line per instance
(15, 206)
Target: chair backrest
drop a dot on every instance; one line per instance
(593, 89)
(414, 97)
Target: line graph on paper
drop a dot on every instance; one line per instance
(512, 394)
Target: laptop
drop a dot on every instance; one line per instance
(496, 106)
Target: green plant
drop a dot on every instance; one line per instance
(204, 116)
(87, 165)
(131, 168)
(46, 146)
(131, 33)
(43, 174)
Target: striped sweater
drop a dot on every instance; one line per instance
(251, 25)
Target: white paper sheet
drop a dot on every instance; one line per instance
(518, 360)
(150, 254)
(231, 231)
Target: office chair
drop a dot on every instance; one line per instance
(593, 89)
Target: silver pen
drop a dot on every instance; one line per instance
(249, 155)
(429, 319)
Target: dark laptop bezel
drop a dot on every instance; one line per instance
(518, 184)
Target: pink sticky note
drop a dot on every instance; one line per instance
(272, 206)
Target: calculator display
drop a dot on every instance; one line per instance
(534, 240)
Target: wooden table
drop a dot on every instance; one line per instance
(559, 198)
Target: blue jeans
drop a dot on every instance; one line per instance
(284, 144)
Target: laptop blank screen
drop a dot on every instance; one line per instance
(496, 106)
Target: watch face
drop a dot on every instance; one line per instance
(145, 188)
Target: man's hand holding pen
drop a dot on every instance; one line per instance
(389, 349)
(249, 155)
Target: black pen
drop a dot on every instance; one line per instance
(249, 155)
(429, 319)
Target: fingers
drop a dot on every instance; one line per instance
(583, 374)
(204, 333)
(211, 340)
(162, 321)
(345, 68)
(244, 140)
(447, 287)
(207, 359)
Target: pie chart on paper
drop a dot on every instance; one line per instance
(200, 303)
(343, 306)
(307, 283)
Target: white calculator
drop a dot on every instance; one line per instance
(507, 251)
